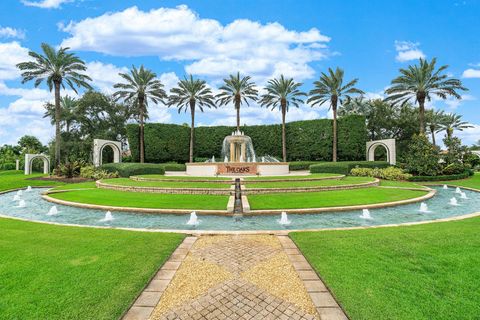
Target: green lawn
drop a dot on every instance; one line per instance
(144, 200)
(314, 183)
(419, 272)
(163, 177)
(309, 176)
(53, 272)
(80, 185)
(330, 198)
(472, 182)
(16, 179)
(166, 184)
(404, 184)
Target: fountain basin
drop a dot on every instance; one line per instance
(211, 169)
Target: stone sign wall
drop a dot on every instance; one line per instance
(236, 168)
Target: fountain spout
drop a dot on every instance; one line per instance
(366, 215)
(284, 219)
(453, 201)
(193, 221)
(53, 211)
(423, 207)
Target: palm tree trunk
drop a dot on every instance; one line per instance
(334, 109)
(237, 107)
(421, 112)
(58, 135)
(284, 135)
(433, 138)
(142, 130)
(192, 130)
(449, 133)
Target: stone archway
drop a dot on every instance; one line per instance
(388, 144)
(29, 161)
(99, 145)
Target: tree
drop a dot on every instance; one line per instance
(434, 119)
(189, 94)
(31, 144)
(237, 90)
(422, 157)
(330, 88)
(419, 83)
(57, 68)
(68, 107)
(141, 86)
(451, 122)
(281, 93)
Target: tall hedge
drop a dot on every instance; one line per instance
(309, 140)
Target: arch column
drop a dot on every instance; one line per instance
(99, 145)
(388, 144)
(29, 161)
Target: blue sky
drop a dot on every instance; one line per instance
(370, 40)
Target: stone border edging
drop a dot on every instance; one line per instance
(46, 197)
(325, 303)
(138, 178)
(257, 180)
(250, 191)
(147, 300)
(163, 190)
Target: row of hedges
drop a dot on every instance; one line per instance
(463, 175)
(309, 140)
(344, 167)
(8, 166)
(128, 169)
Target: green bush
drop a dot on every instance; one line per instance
(344, 167)
(301, 165)
(309, 140)
(132, 169)
(463, 175)
(175, 167)
(8, 166)
(69, 169)
(90, 172)
(390, 173)
(422, 157)
(453, 168)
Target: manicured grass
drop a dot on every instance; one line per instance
(144, 200)
(418, 272)
(162, 177)
(17, 179)
(315, 183)
(308, 176)
(166, 184)
(330, 198)
(404, 184)
(53, 272)
(472, 182)
(80, 185)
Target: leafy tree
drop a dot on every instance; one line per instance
(422, 157)
(435, 119)
(189, 94)
(238, 90)
(68, 107)
(419, 83)
(281, 93)
(455, 150)
(141, 86)
(330, 88)
(453, 122)
(31, 144)
(58, 68)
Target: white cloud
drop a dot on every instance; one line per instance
(407, 51)
(211, 49)
(7, 32)
(45, 4)
(104, 75)
(470, 135)
(11, 53)
(471, 73)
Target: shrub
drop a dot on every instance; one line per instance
(301, 165)
(390, 173)
(462, 175)
(90, 172)
(8, 166)
(453, 168)
(133, 169)
(345, 167)
(175, 167)
(422, 157)
(69, 169)
(309, 140)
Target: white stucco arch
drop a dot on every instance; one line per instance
(99, 145)
(388, 144)
(29, 161)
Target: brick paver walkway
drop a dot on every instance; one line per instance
(236, 277)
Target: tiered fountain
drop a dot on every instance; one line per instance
(239, 158)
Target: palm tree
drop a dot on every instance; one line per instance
(453, 122)
(281, 93)
(237, 90)
(67, 111)
(434, 120)
(419, 83)
(58, 68)
(141, 86)
(330, 88)
(189, 94)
